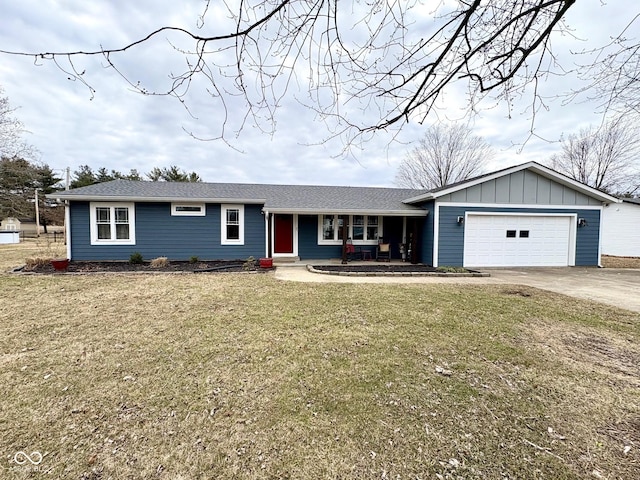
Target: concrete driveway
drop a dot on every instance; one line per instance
(617, 287)
(614, 286)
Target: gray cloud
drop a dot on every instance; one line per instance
(121, 129)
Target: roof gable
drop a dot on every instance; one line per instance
(534, 167)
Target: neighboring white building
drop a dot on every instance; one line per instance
(10, 224)
(621, 228)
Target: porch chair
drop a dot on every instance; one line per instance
(353, 252)
(384, 252)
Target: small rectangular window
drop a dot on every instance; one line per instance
(233, 224)
(340, 226)
(188, 209)
(511, 234)
(358, 227)
(328, 227)
(103, 221)
(372, 227)
(524, 233)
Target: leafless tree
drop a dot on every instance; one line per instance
(444, 155)
(11, 131)
(604, 157)
(396, 58)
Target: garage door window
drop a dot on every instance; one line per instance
(511, 234)
(524, 233)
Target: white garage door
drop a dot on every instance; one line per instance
(517, 240)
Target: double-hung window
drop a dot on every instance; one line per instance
(112, 223)
(232, 226)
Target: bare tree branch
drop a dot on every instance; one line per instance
(393, 58)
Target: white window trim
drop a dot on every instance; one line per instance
(176, 213)
(112, 206)
(223, 224)
(336, 241)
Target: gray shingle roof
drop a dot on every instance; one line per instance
(294, 198)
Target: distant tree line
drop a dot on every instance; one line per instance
(19, 180)
(85, 175)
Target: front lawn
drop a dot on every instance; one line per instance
(243, 376)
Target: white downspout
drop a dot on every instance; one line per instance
(67, 227)
(266, 233)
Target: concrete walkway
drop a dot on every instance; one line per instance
(617, 287)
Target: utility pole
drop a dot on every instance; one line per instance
(37, 216)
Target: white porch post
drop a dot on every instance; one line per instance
(267, 234)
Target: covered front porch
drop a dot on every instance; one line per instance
(294, 237)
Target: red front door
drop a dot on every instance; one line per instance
(283, 233)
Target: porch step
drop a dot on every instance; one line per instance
(285, 260)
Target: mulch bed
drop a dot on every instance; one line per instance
(219, 266)
(377, 268)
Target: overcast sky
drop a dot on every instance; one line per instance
(121, 130)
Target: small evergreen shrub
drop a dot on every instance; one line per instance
(194, 259)
(136, 258)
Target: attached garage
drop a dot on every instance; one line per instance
(523, 216)
(507, 240)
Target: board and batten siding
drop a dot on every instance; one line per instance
(451, 233)
(158, 234)
(523, 187)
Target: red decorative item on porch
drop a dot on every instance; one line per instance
(60, 264)
(266, 263)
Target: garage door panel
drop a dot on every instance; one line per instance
(533, 240)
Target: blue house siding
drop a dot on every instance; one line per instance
(588, 238)
(308, 247)
(158, 234)
(451, 234)
(426, 236)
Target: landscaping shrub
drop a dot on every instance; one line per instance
(136, 258)
(159, 262)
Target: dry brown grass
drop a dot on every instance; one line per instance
(15, 255)
(159, 262)
(609, 261)
(242, 376)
